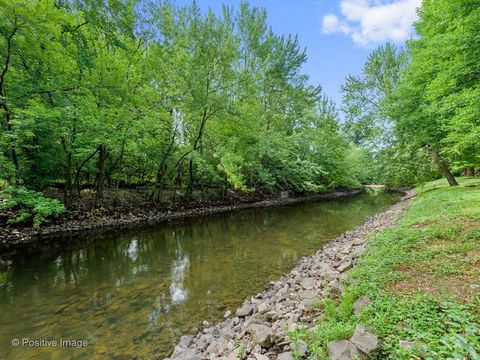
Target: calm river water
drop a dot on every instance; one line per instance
(131, 294)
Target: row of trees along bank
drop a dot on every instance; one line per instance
(416, 108)
(120, 93)
(104, 94)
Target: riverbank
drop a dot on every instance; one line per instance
(417, 289)
(264, 326)
(415, 293)
(131, 214)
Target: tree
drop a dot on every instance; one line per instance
(434, 100)
(367, 121)
(103, 94)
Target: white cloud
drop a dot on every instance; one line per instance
(373, 21)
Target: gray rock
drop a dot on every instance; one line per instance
(362, 302)
(299, 347)
(330, 274)
(260, 356)
(285, 356)
(310, 304)
(308, 283)
(185, 341)
(335, 287)
(204, 341)
(261, 334)
(307, 294)
(342, 350)
(263, 308)
(344, 266)
(245, 310)
(228, 313)
(188, 354)
(218, 347)
(232, 356)
(356, 251)
(365, 340)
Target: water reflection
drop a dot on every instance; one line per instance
(177, 290)
(133, 293)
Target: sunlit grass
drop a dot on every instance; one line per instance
(423, 278)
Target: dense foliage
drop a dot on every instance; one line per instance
(26, 204)
(107, 94)
(113, 93)
(417, 110)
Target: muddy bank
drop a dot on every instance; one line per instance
(131, 216)
(259, 328)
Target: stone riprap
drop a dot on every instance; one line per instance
(259, 328)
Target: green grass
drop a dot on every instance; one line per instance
(423, 277)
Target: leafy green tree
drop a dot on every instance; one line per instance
(364, 96)
(435, 101)
(103, 94)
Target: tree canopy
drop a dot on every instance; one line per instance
(425, 98)
(117, 93)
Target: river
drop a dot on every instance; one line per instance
(131, 294)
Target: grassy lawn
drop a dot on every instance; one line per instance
(423, 278)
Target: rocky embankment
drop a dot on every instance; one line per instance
(105, 219)
(258, 330)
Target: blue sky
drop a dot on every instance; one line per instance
(338, 34)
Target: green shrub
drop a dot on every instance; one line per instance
(28, 204)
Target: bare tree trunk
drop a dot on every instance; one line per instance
(157, 192)
(13, 149)
(196, 146)
(3, 101)
(470, 171)
(79, 170)
(120, 166)
(101, 174)
(68, 188)
(190, 179)
(444, 168)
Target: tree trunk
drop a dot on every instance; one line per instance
(162, 168)
(444, 168)
(470, 171)
(190, 179)
(157, 192)
(448, 174)
(68, 188)
(79, 170)
(120, 166)
(3, 100)
(13, 149)
(101, 174)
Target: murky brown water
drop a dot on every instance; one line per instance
(133, 293)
